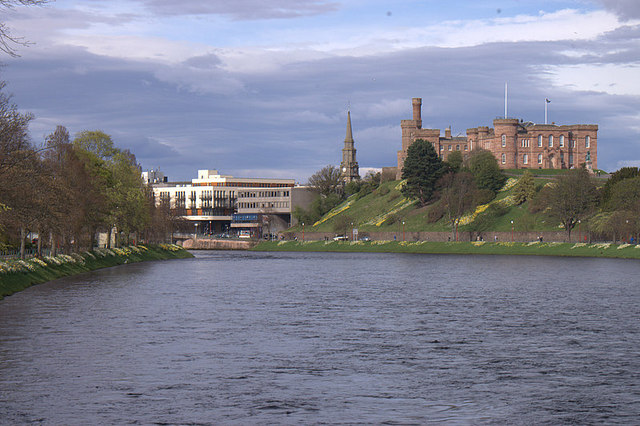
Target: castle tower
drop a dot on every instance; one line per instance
(349, 165)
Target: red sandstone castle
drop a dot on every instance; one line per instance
(515, 144)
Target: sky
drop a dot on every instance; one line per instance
(261, 88)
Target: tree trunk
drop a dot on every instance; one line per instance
(23, 237)
(39, 243)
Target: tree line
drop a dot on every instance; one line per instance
(67, 190)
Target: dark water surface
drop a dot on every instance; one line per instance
(299, 338)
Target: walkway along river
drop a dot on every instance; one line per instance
(250, 337)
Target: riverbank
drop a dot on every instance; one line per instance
(620, 251)
(17, 275)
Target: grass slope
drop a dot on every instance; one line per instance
(622, 251)
(17, 275)
(386, 208)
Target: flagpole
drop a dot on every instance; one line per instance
(546, 101)
(505, 99)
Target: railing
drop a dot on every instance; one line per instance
(29, 253)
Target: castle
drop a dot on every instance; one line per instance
(514, 143)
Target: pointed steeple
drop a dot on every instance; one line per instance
(349, 137)
(349, 165)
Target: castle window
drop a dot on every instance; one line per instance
(587, 141)
(457, 147)
(561, 140)
(539, 158)
(525, 159)
(450, 147)
(504, 140)
(539, 140)
(441, 148)
(550, 141)
(573, 143)
(504, 158)
(465, 148)
(571, 159)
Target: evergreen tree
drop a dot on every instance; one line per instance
(422, 169)
(485, 170)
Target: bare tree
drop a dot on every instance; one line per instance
(327, 181)
(457, 194)
(8, 41)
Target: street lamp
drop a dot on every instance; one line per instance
(303, 232)
(511, 231)
(351, 231)
(196, 236)
(403, 230)
(579, 231)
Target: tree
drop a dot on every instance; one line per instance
(454, 160)
(6, 39)
(422, 169)
(457, 196)
(485, 170)
(618, 176)
(572, 198)
(327, 181)
(625, 195)
(525, 189)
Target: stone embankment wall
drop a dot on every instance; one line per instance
(211, 244)
(446, 236)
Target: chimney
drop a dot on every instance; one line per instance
(447, 132)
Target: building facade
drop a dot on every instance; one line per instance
(216, 203)
(349, 166)
(514, 143)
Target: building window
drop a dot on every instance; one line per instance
(504, 140)
(457, 147)
(570, 159)
(504, 158)
(539, 158)
(550, 141)
(540, 141)
(465, 148)
(573, 143)
(450, 147)
(561, 141)
(441, 148)
(525, 159)
(587, 141)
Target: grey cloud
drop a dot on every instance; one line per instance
(625, 9)
(243, 9)
(293, 119)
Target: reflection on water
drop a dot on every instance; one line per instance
(233, 337)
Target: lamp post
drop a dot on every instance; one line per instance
(511, 231)
(303, 232)
(351, 231)
(579, 231)
(628, 239)
(196, 235)
(403, 230)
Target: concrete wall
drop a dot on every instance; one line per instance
(211, 244)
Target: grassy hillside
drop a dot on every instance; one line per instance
(16, 275)
(386, 208)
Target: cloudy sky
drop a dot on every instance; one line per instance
(261, 88)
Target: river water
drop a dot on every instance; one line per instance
(307, 338)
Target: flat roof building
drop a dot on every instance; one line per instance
(216, 203)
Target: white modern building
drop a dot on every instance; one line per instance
(217, 203)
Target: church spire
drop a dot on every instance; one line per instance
(349, 137)
(349, 165)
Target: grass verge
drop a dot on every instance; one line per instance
(16, 275)
(620, 251)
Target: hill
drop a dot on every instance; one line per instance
(385, 209)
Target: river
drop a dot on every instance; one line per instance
(300, 338)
